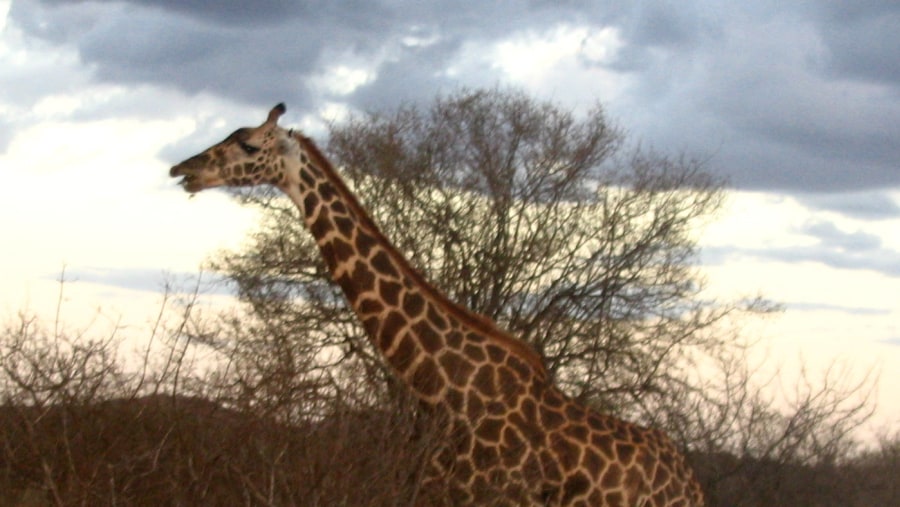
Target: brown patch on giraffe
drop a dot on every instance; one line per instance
(474, 353)
(341, 250)
(483, 492)
(549, 466)
(625, 452)
(390, 328)
(612, 477)
(489, 429)
(496, 408)
(552, 398)
(509, 385)
(567, 453)
(551, 419)
(661, 478)
(454, 339)
(431, 342)
(476, 337)
(462, 437)
(304, 175)
(596, 422)
(646, 461)
(485, 381)
(426, 379)
(363, 278)
(474, 407)
(344, 281)
(370, 306)
(574, 412)
(592, 462)
(414, 305)
(338, 208)
(463, 470)
(435, 318)
(457, 368)
(528, 429)
(575, 486)
(322, 224)
(309, 204)
(513, 447)
(364, 243)
(636, 434)
(577, 431)
(382, 263)
(528, 408)
(604, 444)
(454, 399)
(521, 369)
(484, 456)
(326, 191)
(389, 291)
(496, 354)
(344, 225)
(615, 498)
(404, 355)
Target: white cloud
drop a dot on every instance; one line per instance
(566, 62)
(341, 79)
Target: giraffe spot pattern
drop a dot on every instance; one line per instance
(414, 305)
(426, 379)
(363, 278)
(457, 368)
(405, 354)
(365, 242)
(390, 327)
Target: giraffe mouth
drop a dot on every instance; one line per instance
(189, 181)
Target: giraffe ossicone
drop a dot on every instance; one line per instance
(514, 437)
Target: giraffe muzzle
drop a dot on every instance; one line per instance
(189, 180)
(190, 172)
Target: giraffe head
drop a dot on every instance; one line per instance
(249, 156)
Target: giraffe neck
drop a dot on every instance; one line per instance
(404, 316)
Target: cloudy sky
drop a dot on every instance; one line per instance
(796, 103)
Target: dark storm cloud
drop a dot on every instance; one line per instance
(863, 38)
(257, 52)
(797, 97)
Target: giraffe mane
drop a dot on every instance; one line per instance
(469, 317)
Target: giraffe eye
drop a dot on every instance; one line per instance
(249, 149)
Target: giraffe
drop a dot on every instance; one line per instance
(512, 436)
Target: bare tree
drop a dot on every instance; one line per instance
(530, 214)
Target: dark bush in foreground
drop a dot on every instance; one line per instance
(165, 450)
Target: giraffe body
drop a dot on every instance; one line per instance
(512, 438)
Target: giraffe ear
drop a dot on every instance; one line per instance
(275, 113)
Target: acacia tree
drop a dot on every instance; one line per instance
(530, 214)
